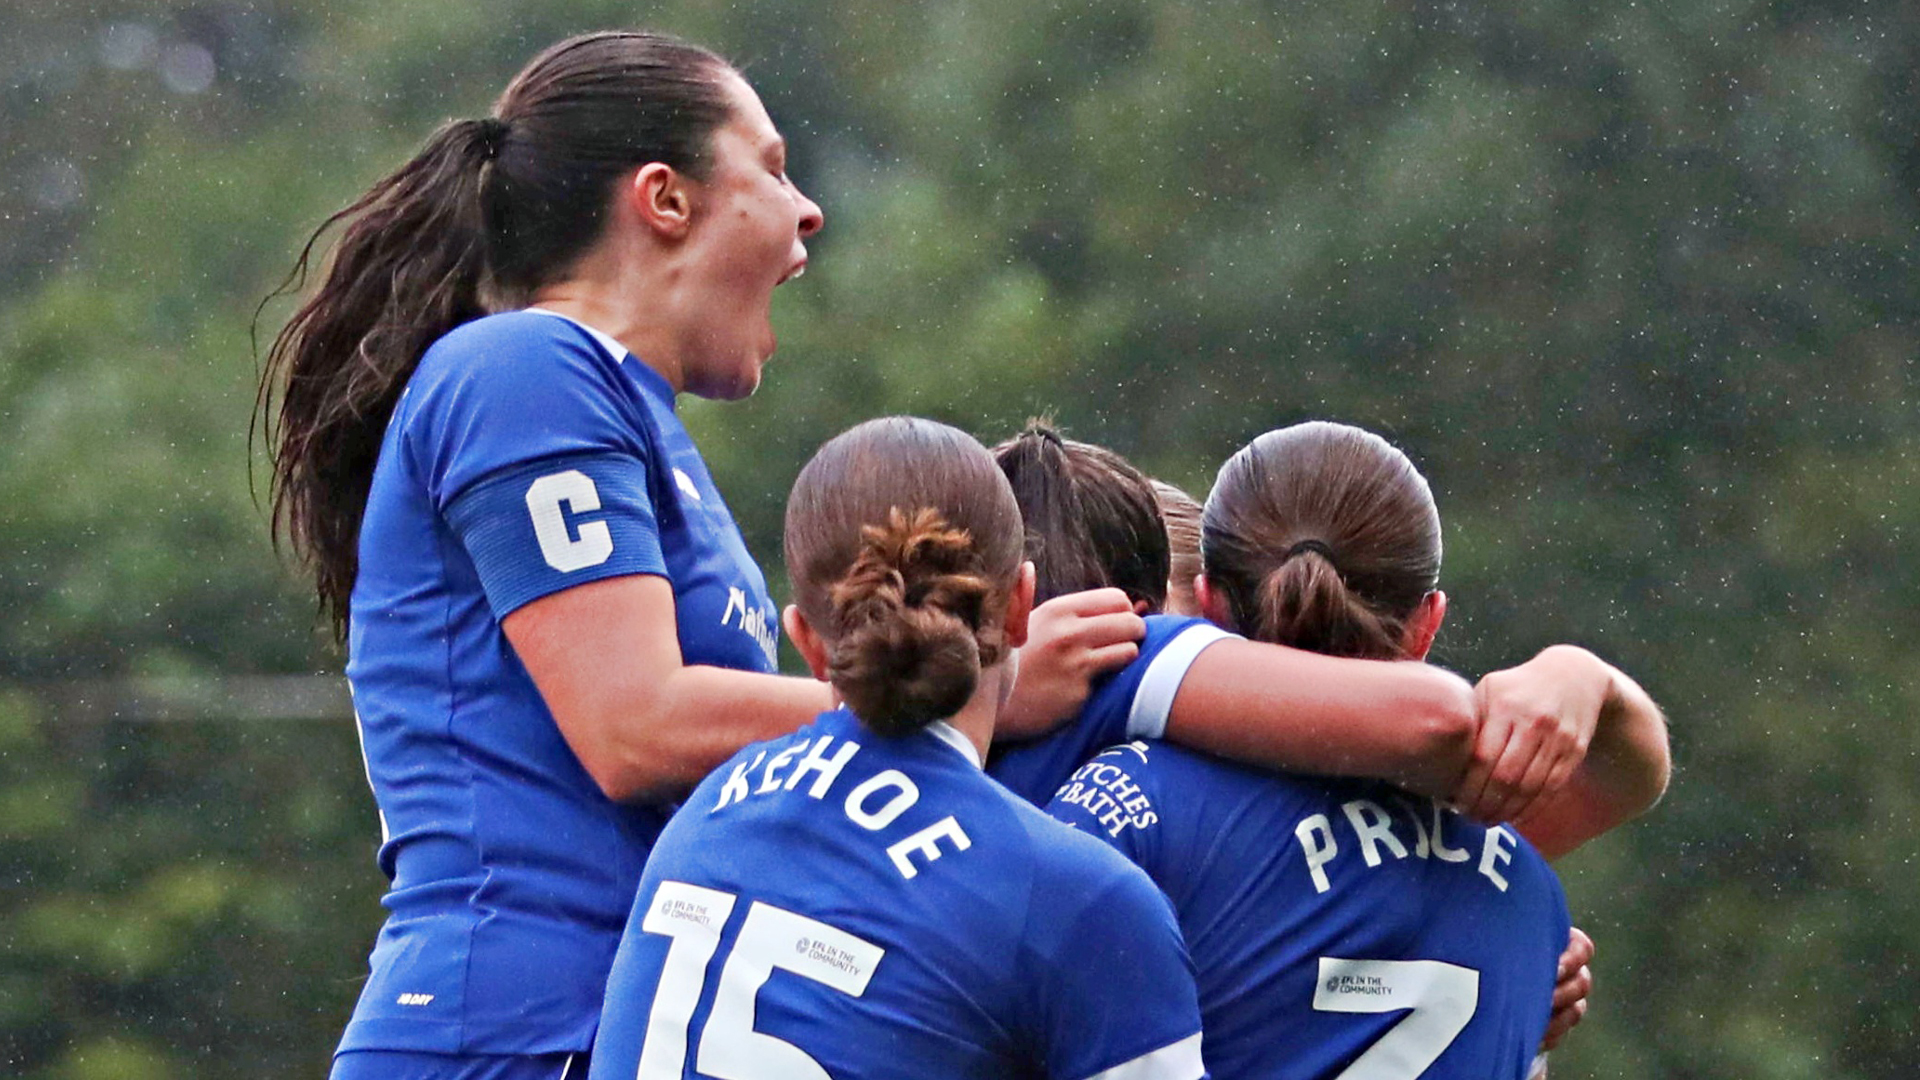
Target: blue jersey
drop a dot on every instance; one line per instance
(841, 904)
(1128, 704)
(527, 455)
(1336, 924)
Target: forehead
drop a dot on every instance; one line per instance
(747, 117)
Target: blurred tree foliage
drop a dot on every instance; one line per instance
(1634, 283)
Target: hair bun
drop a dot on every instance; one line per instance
(911, 629)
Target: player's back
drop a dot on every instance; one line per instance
(1340, 928)
(837, 903)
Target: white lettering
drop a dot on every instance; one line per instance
(817, 762)
(1378, 829)
(770, 779)
(924, 843)
(1440, 848)
(1499, 848)
(735, 788)
(1420, 845)
(1319, 852)
(874, 821)
(754, 622)
(561, 550)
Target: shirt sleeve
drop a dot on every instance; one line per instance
(550, 525)
(1138, 698)
(1116, 997)
(1111, 800)
(531, 445)
(1130, 704)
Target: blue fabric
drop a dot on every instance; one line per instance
(418, 1065)
(1035, 768)
(1269, 874)
(511, 873)
(992, 941)
(595, 520)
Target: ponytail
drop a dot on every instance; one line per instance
(410, 265)
(1304, 603)
(913, 623)
(1324, 537)
(489, 211)
(1093, 520)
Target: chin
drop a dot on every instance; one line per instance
(733, 385)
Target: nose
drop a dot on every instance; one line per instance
(810, 216)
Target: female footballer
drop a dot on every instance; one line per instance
(553, 625)
(1340, 927)
(1093, 520)
(858, 900)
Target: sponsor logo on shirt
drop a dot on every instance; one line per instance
(1105, 790)
(755, 621)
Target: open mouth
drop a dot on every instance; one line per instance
(798, 269)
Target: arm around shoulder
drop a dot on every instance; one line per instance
(1624, 773)
(606, 658)
(1407, 722)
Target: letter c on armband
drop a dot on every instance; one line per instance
(562, 550)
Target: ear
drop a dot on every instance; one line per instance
(1213, 603)
(1020, 606)
(800, 632)
(660, 198)
(1423, 624)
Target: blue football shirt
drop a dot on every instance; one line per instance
(841, 904)
(1131, 703)
(1339, 928)
(527, 455)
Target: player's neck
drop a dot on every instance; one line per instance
(976, 718)
(632, 302)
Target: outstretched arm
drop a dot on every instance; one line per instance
(1270, 705)
(606, 658)
(1565, 794)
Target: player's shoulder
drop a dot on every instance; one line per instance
(1068, 861)
(512, 351)
(1163, 630)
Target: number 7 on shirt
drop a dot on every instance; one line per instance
(1442, 996)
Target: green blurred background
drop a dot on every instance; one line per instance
(1634, 282)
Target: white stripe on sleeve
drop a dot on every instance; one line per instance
(1154, 697)
(1175, 1061)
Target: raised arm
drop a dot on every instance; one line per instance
(606, 657)
(1410, 723)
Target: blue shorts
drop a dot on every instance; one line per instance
(416, 1065)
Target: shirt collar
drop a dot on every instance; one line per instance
(607, 341)
(950, 735)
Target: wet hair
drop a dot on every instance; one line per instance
(1324, 537)
(1181, 512)
(1092, 518)
(903, 543)
(488, 211)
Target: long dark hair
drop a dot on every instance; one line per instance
(903, 543)
(1324, 537)
(488, 211)
(1093, 519)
